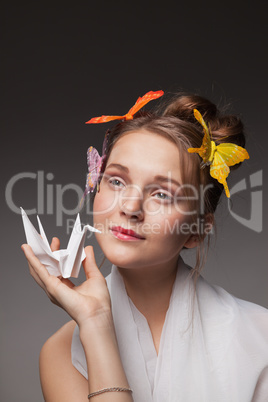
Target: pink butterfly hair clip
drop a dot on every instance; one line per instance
(95, 163)
(94, 160)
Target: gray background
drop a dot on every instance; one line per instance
(66, 63)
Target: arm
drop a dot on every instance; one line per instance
(59, 378)
(261, 390)
(89, 305)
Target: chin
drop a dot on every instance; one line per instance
(125, 255)
(123, 261)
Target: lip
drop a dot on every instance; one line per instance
(125, 234)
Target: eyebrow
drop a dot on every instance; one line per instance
(159, 178)
(164, 179)
(118, 166)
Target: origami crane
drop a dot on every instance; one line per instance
(66, 262)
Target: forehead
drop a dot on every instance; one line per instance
(146, 151)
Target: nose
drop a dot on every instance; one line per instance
(131, 203)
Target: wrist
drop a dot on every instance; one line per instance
(99, 341)
(99, 323)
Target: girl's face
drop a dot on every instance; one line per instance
(140, 206)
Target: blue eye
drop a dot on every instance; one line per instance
(163, 196)
(116, 183)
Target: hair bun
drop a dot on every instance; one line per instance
(223, 127)
(184, 105)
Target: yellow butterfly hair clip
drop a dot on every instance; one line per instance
(219, 157)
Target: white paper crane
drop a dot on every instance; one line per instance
(66, 262)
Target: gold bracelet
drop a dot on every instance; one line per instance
(114, 389)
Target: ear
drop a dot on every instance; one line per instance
(194, 239)
(192, 242)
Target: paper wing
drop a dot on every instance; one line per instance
(75, 250)
(65, 263)
(42, 233)
(40, 246)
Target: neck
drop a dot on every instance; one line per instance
(150, 288)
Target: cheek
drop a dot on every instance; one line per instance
(103, 203)
(99, 204)
(174, 228)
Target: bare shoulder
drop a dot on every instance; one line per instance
(60, 380)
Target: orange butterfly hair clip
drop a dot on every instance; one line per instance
(219, 157)
(149, 96)
(94, 160)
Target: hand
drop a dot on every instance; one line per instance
(86, 302)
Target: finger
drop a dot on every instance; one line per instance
(55, 244)
(52, 298)
(42, 285)
(39, 268)
(36, 277)
(54, 287)
(36, 267)
(89, 263)
(33, 273)
(68, 283)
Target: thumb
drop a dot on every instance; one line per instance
(89, 264)
(55, 244)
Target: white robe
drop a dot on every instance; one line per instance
(213, 347)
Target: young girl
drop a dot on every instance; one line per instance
(155, 330)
